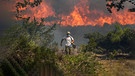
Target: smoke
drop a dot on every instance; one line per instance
(75, 12)
(6, 15)
(64, 7)
(68, 13)
(78, 32)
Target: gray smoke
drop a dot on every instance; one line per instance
(78, 32)
(64, 7)
(5, 16)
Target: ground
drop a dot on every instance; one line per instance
(123, 67)
(113, 67)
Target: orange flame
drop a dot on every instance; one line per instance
(42, 11)
(81, 15)
(78, 16)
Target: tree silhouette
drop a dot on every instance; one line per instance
(24, 4)
(118, 4)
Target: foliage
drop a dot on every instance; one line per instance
(119, 39)
(22, 63)
(29, 43)
(83, 64)
(28, 36)
(115, 36)
(94, 39)
(91, 45)
(25, 4)
(118, 4)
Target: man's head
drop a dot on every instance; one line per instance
(68, 33)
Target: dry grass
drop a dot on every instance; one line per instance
(118, 67)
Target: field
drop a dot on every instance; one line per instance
(118, 67)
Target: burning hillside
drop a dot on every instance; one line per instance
(75, 13)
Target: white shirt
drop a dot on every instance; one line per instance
(68, 40)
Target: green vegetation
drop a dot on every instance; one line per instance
(114, 50)
(120, 40)
(28, 44)
(83, 64)
(30, 47)
(29, 50)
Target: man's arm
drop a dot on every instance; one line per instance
(61, 42)
(72, 39)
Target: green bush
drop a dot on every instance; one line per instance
(118, 39)
(83, 64)
(29, 44)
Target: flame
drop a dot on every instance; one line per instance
(81, 15)
(124, 17)
(78, 17)
(43, 11)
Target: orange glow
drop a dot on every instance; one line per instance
(78, 16)
(81, 15)
(42, 11)
(31, 0)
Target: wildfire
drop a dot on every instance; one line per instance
(81, 15)
(43, 11)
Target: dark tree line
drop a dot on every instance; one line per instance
(120, 39)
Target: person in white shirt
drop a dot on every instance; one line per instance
(69, 41)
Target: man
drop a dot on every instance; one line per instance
(69, 41)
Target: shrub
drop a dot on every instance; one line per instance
(83, 64)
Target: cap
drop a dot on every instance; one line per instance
(68, 32)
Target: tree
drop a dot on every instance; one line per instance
(29, 34)
(128, 41)
(25, 4)
(116, 34)
(118, 4)
(28, 43)
(94, 40)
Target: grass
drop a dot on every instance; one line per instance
(118, 67)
